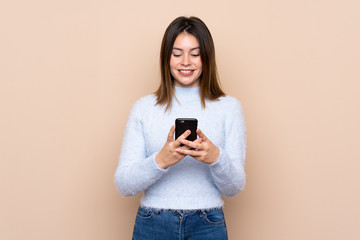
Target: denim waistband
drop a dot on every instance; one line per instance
(182, 211)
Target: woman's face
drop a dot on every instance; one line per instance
(185, 61)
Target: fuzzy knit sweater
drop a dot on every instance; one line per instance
(189, 184)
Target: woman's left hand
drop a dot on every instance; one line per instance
(202, 150)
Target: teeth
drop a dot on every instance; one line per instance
(185, 71)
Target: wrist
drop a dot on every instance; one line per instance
(159, 162)
(216, 155)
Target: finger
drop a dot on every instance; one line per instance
(185, 134)
(182, 136)
(192, 153)
(195, 144)
(201, 134)
(171, 134)
(198, 141)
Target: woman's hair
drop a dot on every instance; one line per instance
(209, 83)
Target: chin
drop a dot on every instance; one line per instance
(188, 84)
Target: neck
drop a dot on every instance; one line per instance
(186, 93)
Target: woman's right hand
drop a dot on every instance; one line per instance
(167, 155)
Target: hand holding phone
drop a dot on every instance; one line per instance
(168, 155)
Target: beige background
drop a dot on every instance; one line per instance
(71, 70)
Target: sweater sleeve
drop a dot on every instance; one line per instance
(136, 171)
(228, 171)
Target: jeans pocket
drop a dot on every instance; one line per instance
(144, 213)
(214, 217)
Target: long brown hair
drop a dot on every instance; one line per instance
(209, 82)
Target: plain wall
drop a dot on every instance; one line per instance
(70, 72)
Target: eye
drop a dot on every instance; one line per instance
(176, 55)
(195, 55)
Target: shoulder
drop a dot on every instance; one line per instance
(229, 102)
(232, 108)
(233, 113)
(144, 104)
(145, 101)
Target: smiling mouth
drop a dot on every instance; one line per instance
(185, 71)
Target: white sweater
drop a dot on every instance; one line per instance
(189, 184)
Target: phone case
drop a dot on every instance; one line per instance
(183, 124)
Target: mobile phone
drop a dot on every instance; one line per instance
(183, 124)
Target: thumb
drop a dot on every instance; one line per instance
(170, 137)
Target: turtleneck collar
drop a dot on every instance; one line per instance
(187, 93)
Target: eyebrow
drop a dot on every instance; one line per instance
(180, 49)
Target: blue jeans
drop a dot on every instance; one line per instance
(179, 225)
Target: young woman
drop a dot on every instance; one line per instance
(183, 180)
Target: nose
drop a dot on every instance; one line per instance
(186, 60)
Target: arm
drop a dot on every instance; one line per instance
(226, 164)
(228, 171)
(136, 171)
